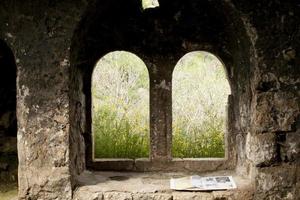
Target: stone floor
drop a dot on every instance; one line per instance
(8, 191)
(133, 186)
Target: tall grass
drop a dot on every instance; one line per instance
(198, 142)
(120, 97)
(119, 138)
(200, 91)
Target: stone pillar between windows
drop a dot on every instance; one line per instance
(160, 117)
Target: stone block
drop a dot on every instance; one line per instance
(154, 196)
(236, 195)
(192, 196)
(268, 82)
(117, 196)
(290, 148)
(261, 148)
(85, 193)
(275, 111)
(276, 182)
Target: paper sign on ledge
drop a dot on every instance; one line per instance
(197, 183)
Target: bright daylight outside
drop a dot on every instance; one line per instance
(150, 4)
(199, 97)
(120, 98)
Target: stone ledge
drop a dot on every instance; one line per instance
(151, 186)
(176, 164)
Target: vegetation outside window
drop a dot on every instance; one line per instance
(120, 97)
(199, 95)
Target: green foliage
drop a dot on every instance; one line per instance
(204, 142)
(120, 96)
(119, 138)
(200, 92)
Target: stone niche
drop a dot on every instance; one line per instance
(56, 45)
(8, 120)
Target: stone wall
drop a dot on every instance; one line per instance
(161, 39)
(273, 145)
(39, 32)
(57, 43)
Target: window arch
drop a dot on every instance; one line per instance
(199, 100)
(120, 107)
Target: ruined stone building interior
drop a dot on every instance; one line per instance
(48, 51)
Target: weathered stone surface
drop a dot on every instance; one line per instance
(155, 186)
(290, 147)
(223, 195)
(269, 82)
(155, 196)
(192, 196)
(40, 38)
(50, 183)
(261, 149)
(297, 185)
(275, 111)
(57, 43)
(117, 196)
(277, 182)
(86, 193)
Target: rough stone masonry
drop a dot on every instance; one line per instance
(53, 46)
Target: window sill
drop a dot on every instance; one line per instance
(176, 164)
(133, 185)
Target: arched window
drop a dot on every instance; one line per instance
(120, 106)
(199, 100)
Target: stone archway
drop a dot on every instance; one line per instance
(258, 42)
(160, 36)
